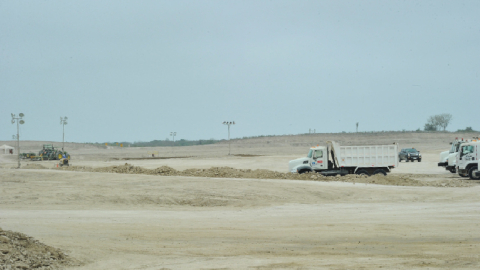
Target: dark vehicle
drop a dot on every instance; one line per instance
(50, 153)
(409, 154)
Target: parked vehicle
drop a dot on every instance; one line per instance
(448, 158)
(409, 154)
(27, 155)
(49, 152)
(334, 159)
(467, 160)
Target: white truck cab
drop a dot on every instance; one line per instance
(467, 159)
(448, 158)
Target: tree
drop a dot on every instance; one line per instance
(435, 122)
(444, 119)
(430, 127)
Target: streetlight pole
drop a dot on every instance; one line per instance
(19, 121)
(173, 134)
(229, 124)
(63, 122)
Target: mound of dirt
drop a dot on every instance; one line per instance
(18, 251)
(228, 172)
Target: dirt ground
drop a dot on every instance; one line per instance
(107, 215)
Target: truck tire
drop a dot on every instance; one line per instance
(419, 160)
(472, 172)
(303, 171)
(362, 172)
(379, 172)
(407, 160)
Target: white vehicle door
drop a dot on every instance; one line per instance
(319, 159)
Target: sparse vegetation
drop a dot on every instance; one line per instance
(436, 122)
(467, 129)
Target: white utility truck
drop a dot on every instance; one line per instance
(334, 159)
(467, 159)
(448, 158)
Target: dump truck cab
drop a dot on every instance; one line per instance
(316, 159)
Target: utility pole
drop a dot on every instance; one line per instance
(63, 121)
(357, 127)
(229, 124)
(20, 121)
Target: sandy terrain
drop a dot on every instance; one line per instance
(139, 221)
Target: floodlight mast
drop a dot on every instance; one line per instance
(229, 124)
(63, 122)
(19, 121)
(173, 134)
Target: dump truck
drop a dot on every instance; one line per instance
(334, 159)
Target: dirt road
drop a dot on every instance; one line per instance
(136, 221)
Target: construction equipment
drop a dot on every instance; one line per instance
(64, 162)
(50, 153)
(334, 159)
(27, 155)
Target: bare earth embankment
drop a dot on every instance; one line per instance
(213, 211)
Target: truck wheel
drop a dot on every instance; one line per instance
(407, 160)
(419, 160)
(399, 160)
(379, 172)
(362, 172)
(472, 172)
(303, 171)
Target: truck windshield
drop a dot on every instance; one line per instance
(310, 153)
(453, 148)
(411, 151)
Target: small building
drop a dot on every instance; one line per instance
(7, 149)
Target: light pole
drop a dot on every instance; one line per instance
(20, 121)
(63, 122)
(173, 134)
(229, 124)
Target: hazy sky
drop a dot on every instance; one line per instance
(137, 70)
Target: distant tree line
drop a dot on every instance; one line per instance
(163, 143)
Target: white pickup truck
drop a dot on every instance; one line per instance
(334, 159)
(467, 159)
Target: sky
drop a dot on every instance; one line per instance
(138, 70)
